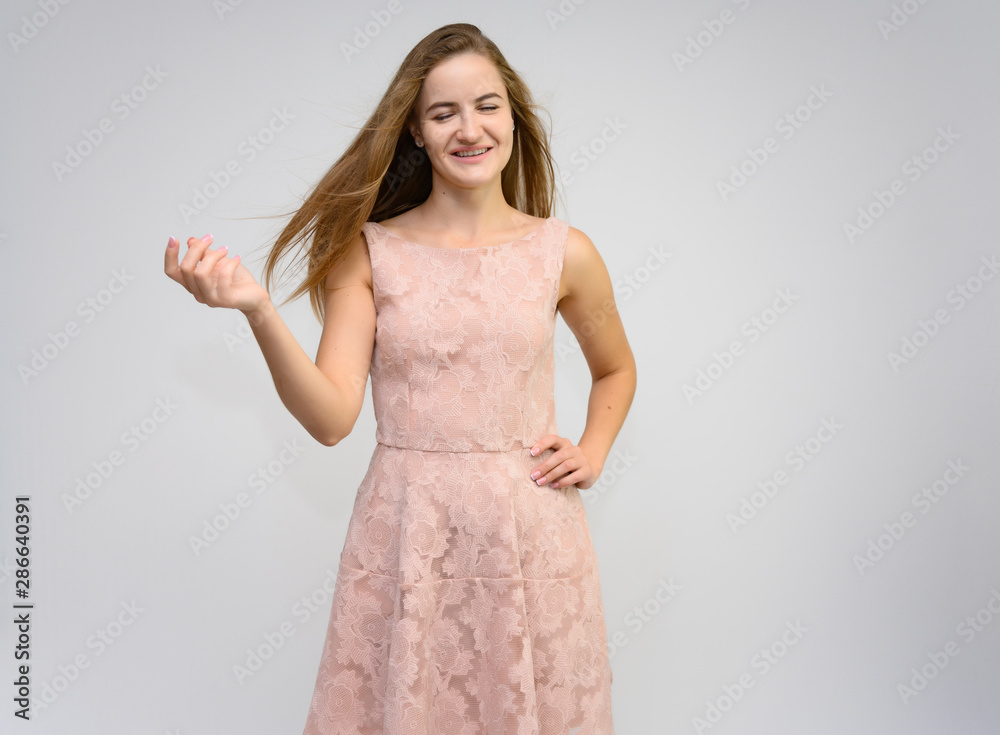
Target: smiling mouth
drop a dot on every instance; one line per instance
(471, 154)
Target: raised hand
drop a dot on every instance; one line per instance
(212, 277)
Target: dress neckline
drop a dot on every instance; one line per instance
(462, 250)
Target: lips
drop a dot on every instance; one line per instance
(484, 150)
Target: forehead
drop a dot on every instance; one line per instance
(461, 77)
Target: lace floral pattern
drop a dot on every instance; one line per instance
(468, 598)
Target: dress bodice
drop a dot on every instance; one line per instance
(463, 358)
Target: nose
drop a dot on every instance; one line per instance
(471, 130)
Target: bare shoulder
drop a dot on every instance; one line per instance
(354, 269)
(583, 267)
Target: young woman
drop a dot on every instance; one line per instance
(468, 598)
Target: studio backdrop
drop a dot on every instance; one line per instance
(796, 202)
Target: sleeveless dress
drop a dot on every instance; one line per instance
(467, 599)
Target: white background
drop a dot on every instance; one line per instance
(646, 141)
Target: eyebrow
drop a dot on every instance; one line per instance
(455, 104)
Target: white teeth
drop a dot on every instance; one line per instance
(465, 154)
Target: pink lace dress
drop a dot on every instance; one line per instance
(468, 599)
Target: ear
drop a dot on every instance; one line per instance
(414, 132)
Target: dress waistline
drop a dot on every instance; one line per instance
(518, 446)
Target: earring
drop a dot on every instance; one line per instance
(419, 144)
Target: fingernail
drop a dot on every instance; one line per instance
(223, 249)
(534, 451)
(171, 243)
(207, 238)
(535, 474)
(540, 481)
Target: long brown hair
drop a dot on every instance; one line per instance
(383, 173)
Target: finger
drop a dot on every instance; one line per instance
(210, 272)
(170, 266)
(568, 473)
(206, 273)
(548, 471)
(558, 455)
(196, 251)
(543, 468)
(575, 465)
(571, 479)
(206, 267)
(195, 248)
(544, 443)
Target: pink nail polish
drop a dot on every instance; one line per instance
(171, 243)
(207, 238)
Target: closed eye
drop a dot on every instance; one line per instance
(485, 108)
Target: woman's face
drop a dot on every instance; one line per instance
(463, 105)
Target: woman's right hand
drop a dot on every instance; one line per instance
(213, 277)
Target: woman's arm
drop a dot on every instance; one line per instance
(588, 308)
(325, 396)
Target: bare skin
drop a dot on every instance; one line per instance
(466, 208)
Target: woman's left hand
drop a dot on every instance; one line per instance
(567, 465)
